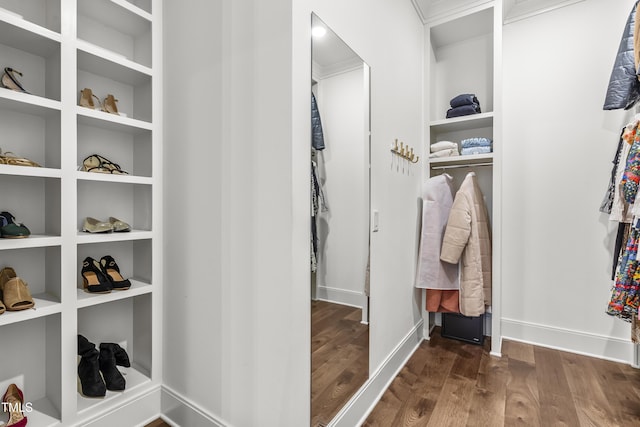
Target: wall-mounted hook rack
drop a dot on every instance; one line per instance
(404, 151)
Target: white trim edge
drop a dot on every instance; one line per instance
(519, 13)
(579, 342)
(341, 296)
(181, 411)
(358, 408)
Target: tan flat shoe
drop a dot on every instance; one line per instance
(2, 307)
(15, 292)
(92, 225)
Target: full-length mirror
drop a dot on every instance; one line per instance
(340, 187)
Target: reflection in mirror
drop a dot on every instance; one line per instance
(340, 223)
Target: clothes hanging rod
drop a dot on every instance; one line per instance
(472, 165)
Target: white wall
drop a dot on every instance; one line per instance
(558, 147)
(237, 312)
(236, 260)
(343, 230)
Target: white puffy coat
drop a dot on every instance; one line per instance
(467, 238)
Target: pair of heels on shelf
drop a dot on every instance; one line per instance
(103, 277)
(10, 229)
(10, 81)
(9, 158)
(100, 164)
(108, 105)
(98, 370)
(92, 225)
(12, 402)
(15, 292)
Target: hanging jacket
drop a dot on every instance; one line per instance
(437, 198)
(624, 87)
(467, 239)
(317, 136)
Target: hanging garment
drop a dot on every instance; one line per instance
(442, 301)
(635, 329)
(631, 176)
(318, 203)
(624, 294)
(467, 238)
(607, 200)
(620, 208)
(437, 199)
(621, 237)
(624, 89)
(317, 135)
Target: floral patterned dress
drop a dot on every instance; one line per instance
(625, 294)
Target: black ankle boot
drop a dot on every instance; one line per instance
(88, 369)
(112, 376)
(122, 358)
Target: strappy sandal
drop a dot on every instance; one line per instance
(99, 164)
(9, 80)
(9, 158)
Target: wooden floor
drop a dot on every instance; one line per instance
(450, 383)
(158, 423)
(339, 358)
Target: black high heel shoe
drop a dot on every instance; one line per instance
(93, 277)
(10, 81)
(89, 369)
(113, 379)
(112, 271)
(122, 358)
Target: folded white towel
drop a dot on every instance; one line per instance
(444, 153)
(443, 145)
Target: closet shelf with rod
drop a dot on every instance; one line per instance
(461, 161)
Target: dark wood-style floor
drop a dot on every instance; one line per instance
(158, 423)
(450, 383)
(339, 358)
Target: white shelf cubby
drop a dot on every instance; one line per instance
(31, 359)
(127, 322)
(133, 258)
(38, 16)
(130, 203)
(117, 26)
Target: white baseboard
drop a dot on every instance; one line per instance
(135, 412)
(341, 296)
(178, 410)
(594, 345)
(358, 408)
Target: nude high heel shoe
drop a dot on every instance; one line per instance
(109, 105)
(86, 99)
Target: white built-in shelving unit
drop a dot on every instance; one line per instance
(62, 46)
(463, 55)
